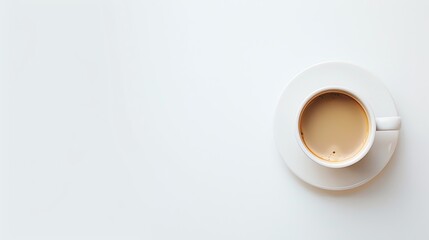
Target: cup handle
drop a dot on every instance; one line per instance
(388, 123)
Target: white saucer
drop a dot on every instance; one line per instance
(366, 85)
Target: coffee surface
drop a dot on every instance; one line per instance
(334, 126)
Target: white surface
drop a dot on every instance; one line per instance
(153, 119)
(377, 101)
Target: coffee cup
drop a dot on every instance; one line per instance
(335, 127)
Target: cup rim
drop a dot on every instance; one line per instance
(371, 134)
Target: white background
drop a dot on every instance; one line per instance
(153, 119)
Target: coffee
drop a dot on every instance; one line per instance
(334, 126)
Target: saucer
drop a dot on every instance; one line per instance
(350, 76)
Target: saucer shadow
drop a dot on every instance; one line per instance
(385, 172)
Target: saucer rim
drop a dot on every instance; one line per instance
(394, 139)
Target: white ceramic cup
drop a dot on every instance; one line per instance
(375, 124)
